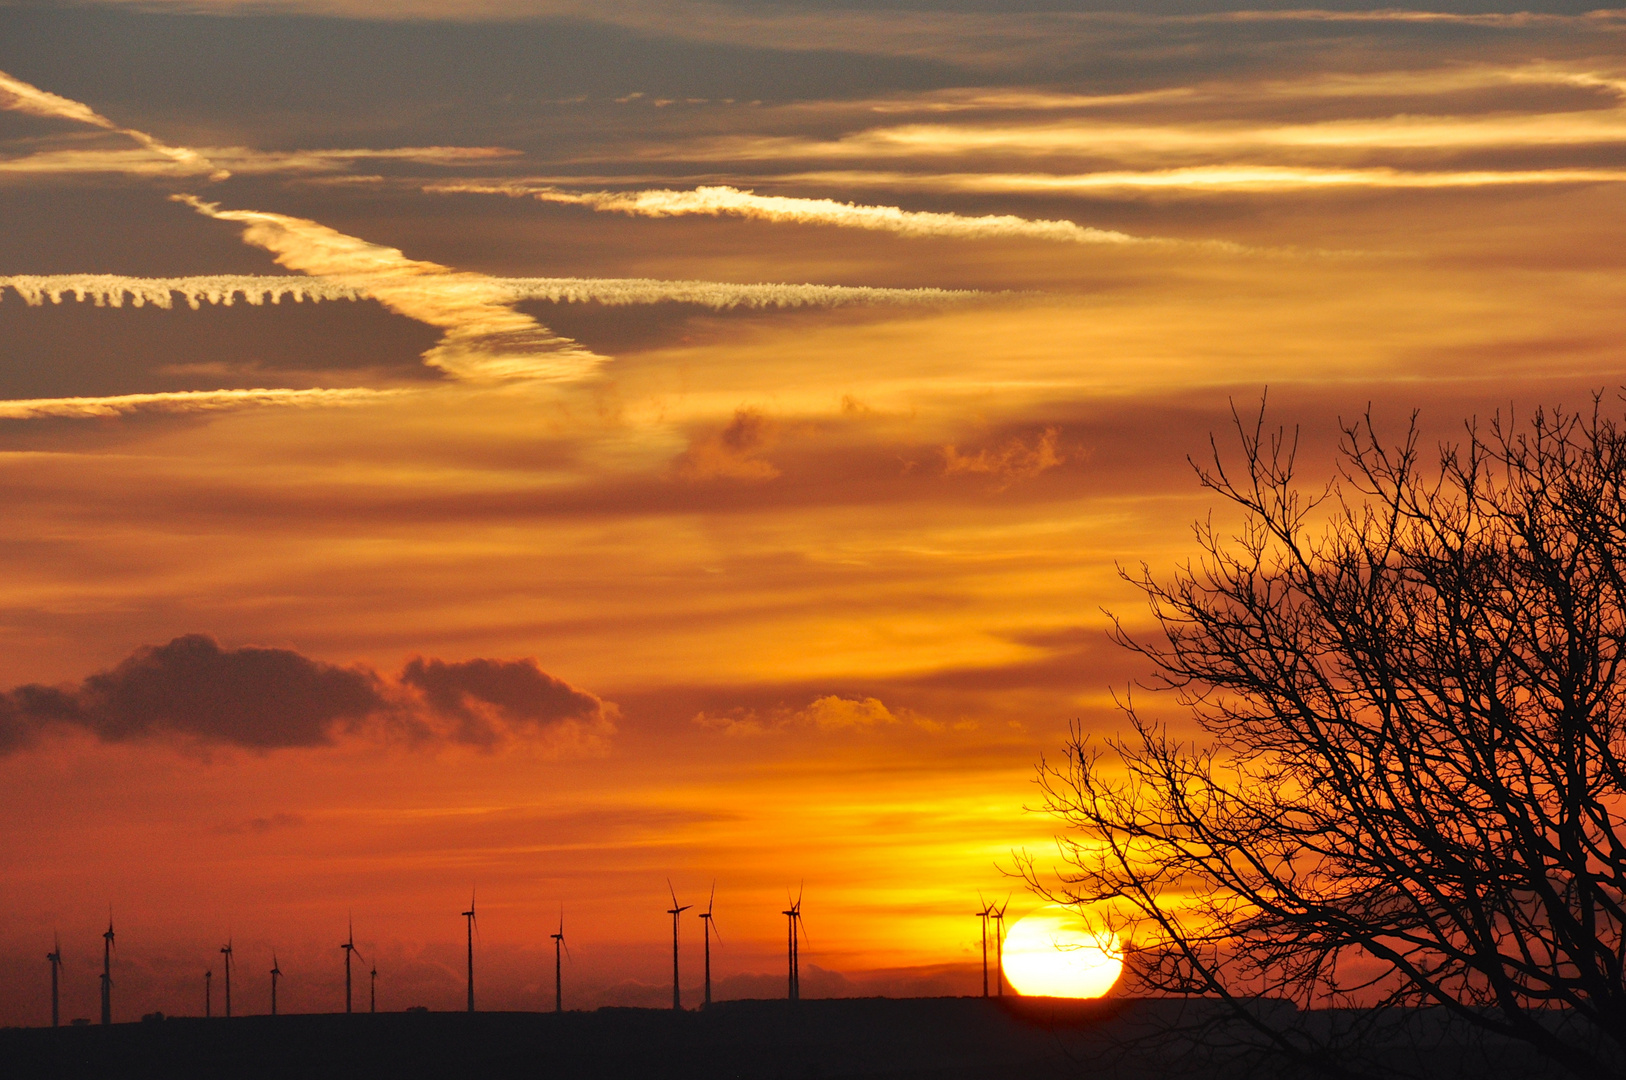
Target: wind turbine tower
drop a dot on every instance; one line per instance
(208, 995)
(56, 966)
(985, 914)
(372, 991)
(675, 911)
(349, 948)
(558, 965)
(107, 972)
(469, 915)
(999, 944)
(276, 973)
(225, 950)
(794, 929)
(711, 926)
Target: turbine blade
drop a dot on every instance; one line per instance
(711, 900)
(672, 891)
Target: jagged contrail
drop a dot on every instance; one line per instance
(186, 401)
(721, 200)
(110, 290)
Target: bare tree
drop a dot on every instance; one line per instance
(1407, 782)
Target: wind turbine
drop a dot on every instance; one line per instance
(558, 967)
(710, 928)
(208, 994)
(469, 915)
(225, 950)
(349, 948)
(999, 943)
(676, 910)
(107, 971)
(372, 990)
(56, 966)
(795, 928)
(984, 914)
(276, 973)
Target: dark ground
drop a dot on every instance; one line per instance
(883, 1039)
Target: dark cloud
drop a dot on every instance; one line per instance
(267, 699)
(484, 699)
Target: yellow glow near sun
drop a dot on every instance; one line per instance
(1055, 953)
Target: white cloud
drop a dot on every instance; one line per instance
(720, 200)
(185, 401)
(484, 337)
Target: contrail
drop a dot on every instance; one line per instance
(181, 401)
(484, 337)
(717, 201)
(110, 290)
(18, 96)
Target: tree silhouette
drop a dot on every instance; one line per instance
(1403, 777)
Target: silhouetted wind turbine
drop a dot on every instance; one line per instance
(710, 928)
(558, 967)
(676, 910)
(999, 944)
(225, 950)
(349, 948)
(794, 931)
(469, 915)
(107, 971)
(276, 973)
(208, 994)
(372, 990)
(984, 914)
(55, 957)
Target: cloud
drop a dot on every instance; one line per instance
(19, 96)
(111, 290)
(241, 160)
(1216, 178)
(1016, 459)
(830, 713)
(1095, 138)
(721, 200)
(217, 163)
(251, 697)
(732, 452)
(267, 699)
(186, 401)
(485, 338)
(486, 700)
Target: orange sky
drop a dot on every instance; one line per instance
(783, 588)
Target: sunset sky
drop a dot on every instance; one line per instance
(551, 450)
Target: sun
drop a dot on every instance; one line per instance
(1055, 953)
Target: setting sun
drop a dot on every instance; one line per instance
(1055, 953)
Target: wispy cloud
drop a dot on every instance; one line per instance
(110, 290)
(723, 201)
(484, 337)
(1210, 178)
(19, 96)
(237, 160)
(186, 401)
(1096, 138)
